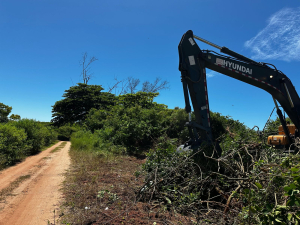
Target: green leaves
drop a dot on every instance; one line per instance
(78, 101)
(295, 169)
(4, 112)
(258, 185)
(22, 138)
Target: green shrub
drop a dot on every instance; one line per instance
(37, 134)
(131, 127)
(12, 144)
(84, 140)
(51, 135)
(65, 132)
(95, 119)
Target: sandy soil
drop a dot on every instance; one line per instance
(36, 198)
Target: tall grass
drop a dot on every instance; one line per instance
(86, 141)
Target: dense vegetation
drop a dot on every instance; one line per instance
(242, 185)
(250, 183)
(21, 137)
(77, 102)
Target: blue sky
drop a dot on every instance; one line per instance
(42, 42)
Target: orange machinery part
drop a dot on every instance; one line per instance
(291, 127)
(277, 140)
(281, 139)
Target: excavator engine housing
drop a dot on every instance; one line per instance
(277, 140)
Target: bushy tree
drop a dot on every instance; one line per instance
(37, 134)
(65, 132)
(12, 144)
(4, 112)
(78, 101)
(272, 126)
(15, 117)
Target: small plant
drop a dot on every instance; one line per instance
(111, 196)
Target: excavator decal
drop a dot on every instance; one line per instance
(233, 66)
(248, 76)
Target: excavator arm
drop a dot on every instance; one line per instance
(193, 63)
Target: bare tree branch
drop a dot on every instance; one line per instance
(156, 86)
(130, 84)
(115, 86)
(86, 76)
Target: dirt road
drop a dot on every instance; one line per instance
(37, 196)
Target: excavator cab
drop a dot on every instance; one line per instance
(281, 140)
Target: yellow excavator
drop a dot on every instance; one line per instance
(281, 140)
(193, 63)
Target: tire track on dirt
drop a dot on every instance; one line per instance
(34, 201)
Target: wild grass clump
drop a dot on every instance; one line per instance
(86, 141)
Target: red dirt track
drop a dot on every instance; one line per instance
(36, 198)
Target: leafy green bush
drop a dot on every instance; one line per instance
(95, 119)
(37, 134)
(84, 140)
(12, 144)
(4, 112)
(132, 127)
(50, 135)
(136, 122)
(65, 132)
(143, 99)
(77, 102)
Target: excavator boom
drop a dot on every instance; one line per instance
(193, 63)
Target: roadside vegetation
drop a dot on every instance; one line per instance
(20, 138)
(126, 170)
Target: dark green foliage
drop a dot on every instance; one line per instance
(65, 132)
(95, 119)
(137, 127)
(22, 138)
(14, 117)
(13, 145)
(143, 99)
(37, 134)
(136, 122)
(132, 127)
(224, 124)
(4, 112)
(272, 126)
(78, 101)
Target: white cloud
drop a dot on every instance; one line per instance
(211, 74)
(280, 39)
